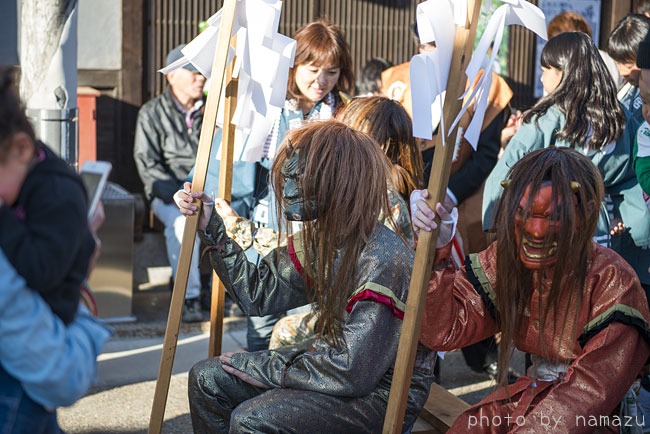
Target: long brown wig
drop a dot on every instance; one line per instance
(323, 44)
(515, 283)
(345, 173)
(389, 124)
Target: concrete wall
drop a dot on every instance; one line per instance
(100, 34)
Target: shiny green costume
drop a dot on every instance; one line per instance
(313, 387)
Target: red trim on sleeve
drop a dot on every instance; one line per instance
(367, 294)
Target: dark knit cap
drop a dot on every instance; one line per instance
(643, 54)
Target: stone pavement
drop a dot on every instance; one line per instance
(121, 400)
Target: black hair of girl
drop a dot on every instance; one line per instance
(12, 113)
(623, 42)
(586, 94)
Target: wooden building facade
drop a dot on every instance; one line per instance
(150, 28)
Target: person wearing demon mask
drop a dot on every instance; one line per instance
(575, 306)
(332, 179)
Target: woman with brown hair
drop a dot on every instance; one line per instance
(356, 271)
(322, 71)
(318, 86)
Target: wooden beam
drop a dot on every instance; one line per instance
(131, 79)
(191, 223)
(442, 408)
(463, 46)
(613, 11)
(225, 191)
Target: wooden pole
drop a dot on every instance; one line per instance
(191, 223)
(225, 190)
(463, 46)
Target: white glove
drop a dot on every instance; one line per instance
(422, 217)
(448, 222)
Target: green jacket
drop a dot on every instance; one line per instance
(642, 157)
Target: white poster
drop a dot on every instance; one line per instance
(589, 9)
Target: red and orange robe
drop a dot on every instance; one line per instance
(596, 368)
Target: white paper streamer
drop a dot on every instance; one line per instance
(429, 71)
(264, 57)
(511, 12)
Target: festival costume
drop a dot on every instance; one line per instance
(313, 387)
(295, 328)
(615, 164)
(263, 213)
(598, 368)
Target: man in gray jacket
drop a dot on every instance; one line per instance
(166, 141)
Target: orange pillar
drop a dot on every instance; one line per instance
(87, 103)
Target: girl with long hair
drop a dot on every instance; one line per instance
(583, 94)
(581, 111)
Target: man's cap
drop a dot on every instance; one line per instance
(176, 54)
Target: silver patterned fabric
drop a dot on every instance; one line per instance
(313, 387)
